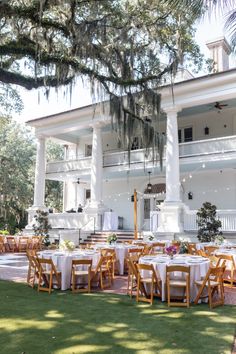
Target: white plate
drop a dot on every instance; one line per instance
(178, 261)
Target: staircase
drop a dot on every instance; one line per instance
(122, 236)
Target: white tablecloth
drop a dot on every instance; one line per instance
(63, 262)
(110, 221)
(198, 269)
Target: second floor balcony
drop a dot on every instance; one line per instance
(207, 150)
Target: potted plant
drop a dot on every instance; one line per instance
(208, 224)
(41, 226)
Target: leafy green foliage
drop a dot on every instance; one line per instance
(17, 153)
(208, 225)
(41, 226)
(17, 157)
(124, 48)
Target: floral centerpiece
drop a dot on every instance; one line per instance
(67, 245)
(111, 238)
(150, 238)
(219, 240)
(171, 251)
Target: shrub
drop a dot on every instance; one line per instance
(208, 224)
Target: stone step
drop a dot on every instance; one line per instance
(102, 237)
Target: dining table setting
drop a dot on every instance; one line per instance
(63, 261)
(198, 268)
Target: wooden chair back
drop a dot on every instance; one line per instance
(47, 269)
(230, 267)
(103, 268)
(192, 249)
(210, 250)
(151, 279)
(23, 243)
(2, 243)
(212, 281)
(11, 243)
(181, 282)
(77, 272)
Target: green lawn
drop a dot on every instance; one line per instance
(66, 323)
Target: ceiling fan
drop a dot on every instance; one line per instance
(79, 181)
(219, 105)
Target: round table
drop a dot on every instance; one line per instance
(198, 269)
(63, 262)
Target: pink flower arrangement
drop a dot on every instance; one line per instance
(171, 250)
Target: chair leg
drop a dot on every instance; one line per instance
(210, 297)
(151, 295)
(168, 292)
(187, 294)
(138, 288)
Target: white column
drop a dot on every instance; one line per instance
(171, 211)
(172, 157)
(40, 171)
(96, 167)
(96, 206)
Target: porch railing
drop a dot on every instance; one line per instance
(227, 218)
(120, 158)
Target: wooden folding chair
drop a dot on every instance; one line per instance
(192, 249)
(48, 270)
(230, 268)
(23, 243)
(210, 250)
(136, 253)
(176, 244)
(2, 244)
(81, 268)
(178, 282)
(158, 247)
(151, 279)
(11, 244)
(33, 269)
(114, 264)
(104, 271)
(132, 275)
(147, 249)
(213, 281)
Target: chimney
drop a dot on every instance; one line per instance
(219, 52)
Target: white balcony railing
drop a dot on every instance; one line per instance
(190, 149)
(208, 146)
(69, 165)
(227, 218)
(119, 158)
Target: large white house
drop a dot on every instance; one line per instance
(199, 160)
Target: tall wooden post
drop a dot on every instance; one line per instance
(135, 216)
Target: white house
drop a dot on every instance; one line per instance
(199, 160)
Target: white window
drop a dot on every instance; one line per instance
(185, 134)
(88, 150)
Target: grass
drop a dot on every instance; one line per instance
(66, 323)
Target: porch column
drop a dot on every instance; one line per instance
(40, 171)
(171, 211)
(96, 166)
(172, 157)
(96, 205)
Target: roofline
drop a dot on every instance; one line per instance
(162, 87)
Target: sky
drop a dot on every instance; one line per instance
(36, 105)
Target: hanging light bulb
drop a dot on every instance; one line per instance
(149, 185)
